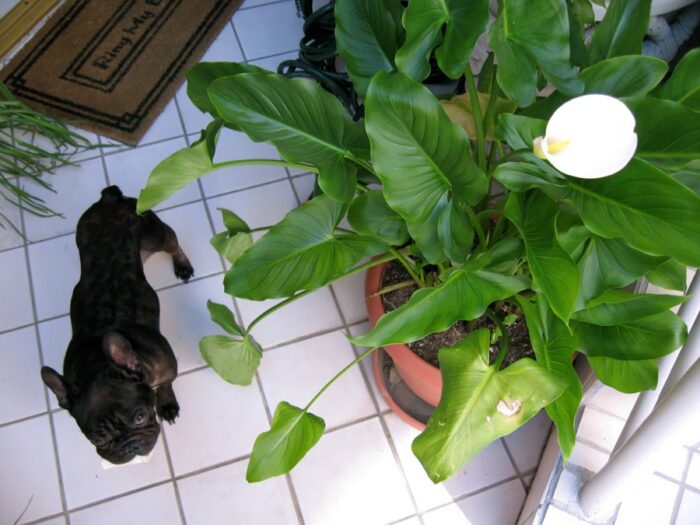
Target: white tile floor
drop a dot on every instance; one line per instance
(362, 472)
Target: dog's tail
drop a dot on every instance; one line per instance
(111, 194)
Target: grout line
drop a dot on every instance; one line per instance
(681, 488)
(120, 495)
(104, 162)
(171, 470)
(271, 2)
(597, 408)
(515, 466)
(24, 418)
(46, 519)
(299, 339)
(593, 445)
(52, 426)
(238, 39)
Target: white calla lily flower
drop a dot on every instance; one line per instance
(589, 137)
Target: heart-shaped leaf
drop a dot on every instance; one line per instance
(479, 404)
(292, 434)
(626, 376)
(201, 75)
(554, 346)
(552, 269)
(453, 24)
(422, 158)
(300, 252)
(369, 214)
(223, 316)
(301, 119)
(646, 338)
(231, 247)
(464, 295)
(235, 360)
(647, 208)
(367, 35)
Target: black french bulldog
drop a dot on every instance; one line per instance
(118, 369)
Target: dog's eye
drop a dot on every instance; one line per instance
(140, 417)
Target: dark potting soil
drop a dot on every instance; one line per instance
(427, 348)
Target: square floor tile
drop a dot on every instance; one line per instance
(674, 462)
(14, 282)
(55, 272)
(366, 365)
(652, 503)
(184, 318)
(271, 63)
(224, 48)
(269, 29)
(488, 467)
(613, 402)
(54, 521)
(556, 516)
(588, 457)
(693, 477)
(28, 471)
(309, 315)
(350, 293)
(166, 126)
(89, 177)
(218, 421)
(689, 510)
(296, 372)
(262, 206)
(526, 444)
(222, 496)
(21, 388)
(496, 506)
(84, 479)
(130, 169)
(600, 429)
(193, 231)
(9, 236)
(55, 336)
(351, 477)
(235, 145)
(194, 119)
(147, 507)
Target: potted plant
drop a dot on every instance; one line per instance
(595, 196)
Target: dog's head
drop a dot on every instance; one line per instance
(116, 408)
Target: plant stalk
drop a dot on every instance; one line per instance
(477, 227)
(478, 122)
(263, 162)
(504, 340)
(409, 267)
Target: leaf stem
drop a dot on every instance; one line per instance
(513, 154)
(263, 162)
(493, 98)
(289, 300)
(409, 267)
(478, 122)
(477, 227)
(392, 287)
(504, 340)
(357, 160)
(336, 376)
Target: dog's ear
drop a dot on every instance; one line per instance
(57, 384)
(119, 350)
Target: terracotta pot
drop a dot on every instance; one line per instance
(420, 376)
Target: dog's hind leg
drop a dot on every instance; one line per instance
(156, 236)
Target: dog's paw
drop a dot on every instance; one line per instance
(184, 272)
(169, 411)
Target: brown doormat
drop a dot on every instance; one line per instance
(110, 66)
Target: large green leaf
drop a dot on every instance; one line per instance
(684, 84)
(453, 24)
(620, 307)
(541, 27)
(611, 263)
(367, 35)
(621, 31)
(300, 252)
(689, 175)
(668, 133)
(292, 434)
(648, 209)
(231, 247)
(422, 158)
(516, 73)
(369, 214)
(235, 360)
(671, 275)
(201, 75)
(646, 338)
(464, 295)
(554, 346)
(552, 269)
(522, 176)
(479, 404)
(626, 376)
(174, 173)
(301, 119)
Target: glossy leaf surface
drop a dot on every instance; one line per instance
(292, 434)
(479, 404)
(621, 31)
(235, 360)
(684, 84)
(369, 214)
(626, 376)
(223, 316)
